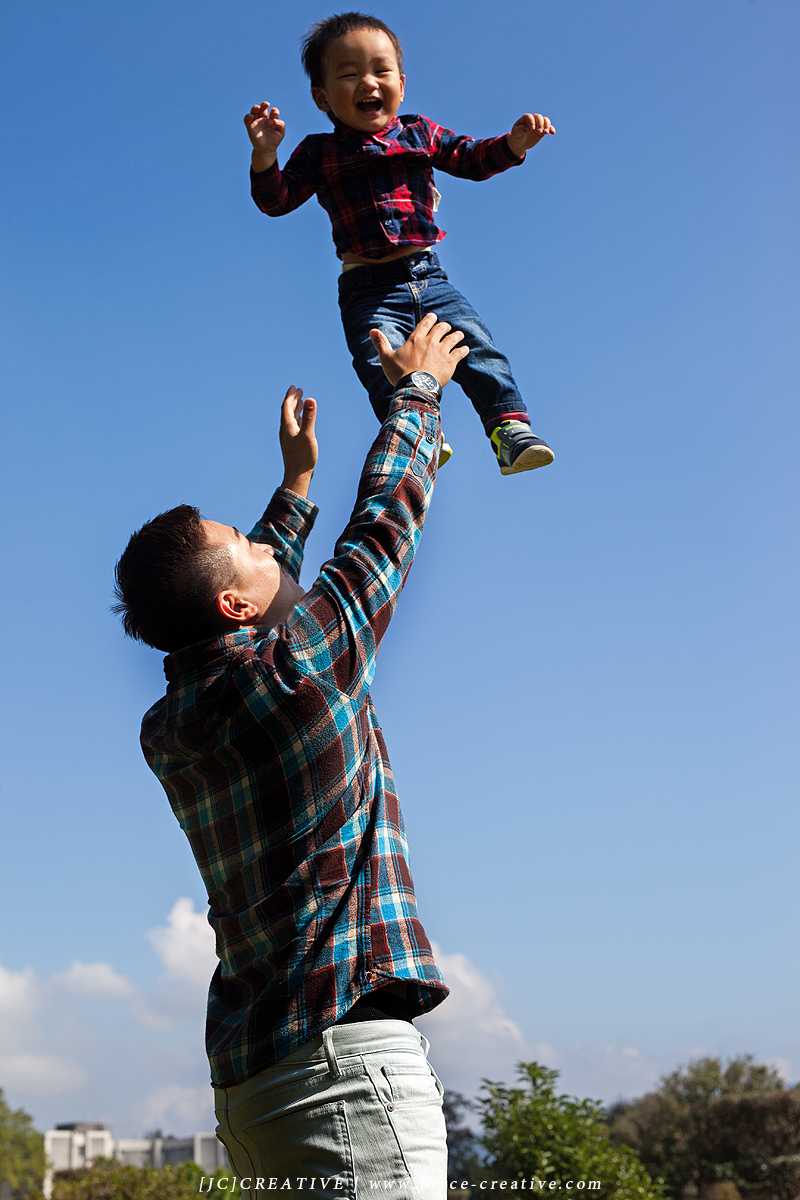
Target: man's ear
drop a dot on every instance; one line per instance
(234, 607)
(320, 99)
(402, 87)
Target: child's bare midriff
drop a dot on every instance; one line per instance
(347, 257)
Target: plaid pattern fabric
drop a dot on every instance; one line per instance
(272, 758)
(377, 189)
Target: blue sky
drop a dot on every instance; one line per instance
(589, 692)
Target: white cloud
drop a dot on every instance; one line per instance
(783, 1066)
(20, 999)
(40, 1074)
(92, 1042)
(185, 945)
(97, 980)
(139, 1062)
(173, 1107)
(19, 994)
(471, 1034)
(473, 1038)
(27, 1064)
(605, 1071)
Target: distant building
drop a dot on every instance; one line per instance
(78, 1145)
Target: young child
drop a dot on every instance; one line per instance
(374, 177)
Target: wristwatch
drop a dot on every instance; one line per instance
(423, 381)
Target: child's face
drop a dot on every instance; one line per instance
(362, 86)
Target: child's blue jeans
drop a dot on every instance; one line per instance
(394, 297)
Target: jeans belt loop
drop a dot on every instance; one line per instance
(424, 1043)
(330, 1053)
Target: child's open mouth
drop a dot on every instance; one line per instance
(369, 106)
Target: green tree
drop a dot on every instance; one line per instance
(463, 1146)
(689, 1129)
(530, 1132)
(110, 1180)
(758, 1142)
(22, 1160)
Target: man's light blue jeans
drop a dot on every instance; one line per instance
(354, 1112)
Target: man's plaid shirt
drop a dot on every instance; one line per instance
(274, 763)
(377, 189)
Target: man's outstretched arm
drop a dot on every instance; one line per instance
(289, 516)
(298, 441)
(337, 628)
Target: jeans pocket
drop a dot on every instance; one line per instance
(413, 1085)
(417, 1121)
(346, 301)
(312, 1141)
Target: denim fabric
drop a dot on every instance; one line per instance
(356, 1104)
(394, 297)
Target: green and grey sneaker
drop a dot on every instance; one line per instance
(445, 451)
(518, 449)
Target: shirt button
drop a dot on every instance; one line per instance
(430, 438)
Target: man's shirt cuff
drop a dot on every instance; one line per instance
(295, 512)
(411, 397)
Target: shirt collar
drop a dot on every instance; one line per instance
(209, 656)
(386, 135)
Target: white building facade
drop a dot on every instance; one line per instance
(73, 1146)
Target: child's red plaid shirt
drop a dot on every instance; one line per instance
(378, 188)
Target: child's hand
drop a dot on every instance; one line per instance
(528, 130)
(266, 132)
(298, 441)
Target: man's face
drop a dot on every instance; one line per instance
(259, 580)
(362, 85)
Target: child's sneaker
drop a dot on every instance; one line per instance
(518, 449)
(445, 451)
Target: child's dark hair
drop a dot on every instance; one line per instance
(167, 581)
(320, 36)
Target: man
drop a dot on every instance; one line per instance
(272, 758)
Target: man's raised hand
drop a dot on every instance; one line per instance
(298, 442)
(433, 346)
(527, 131)
(266, 132)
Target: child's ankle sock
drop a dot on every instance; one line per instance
(492, 423)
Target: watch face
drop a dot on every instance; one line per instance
(428, 383)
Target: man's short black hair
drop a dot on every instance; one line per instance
(168, 579)
(320, 36)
